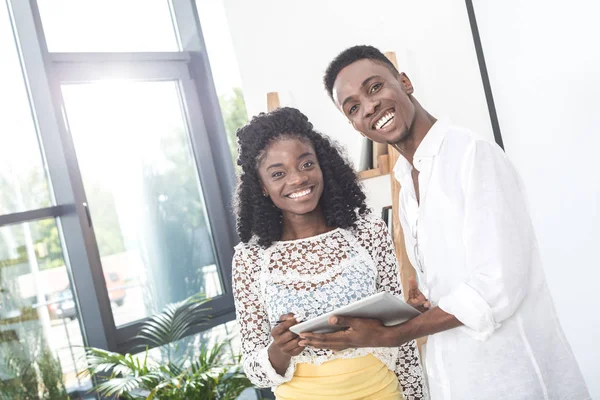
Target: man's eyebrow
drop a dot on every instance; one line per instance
(362, 85)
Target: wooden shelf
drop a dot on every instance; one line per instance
(383, 169)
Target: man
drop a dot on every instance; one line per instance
(493, 331)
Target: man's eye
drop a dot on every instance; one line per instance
(375, 87)
(353, 109)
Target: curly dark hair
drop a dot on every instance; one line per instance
(342, 199)
(350, 56)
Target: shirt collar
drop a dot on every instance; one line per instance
(429, 147)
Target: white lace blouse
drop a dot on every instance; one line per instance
(309, 277)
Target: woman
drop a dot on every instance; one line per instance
(309, 246)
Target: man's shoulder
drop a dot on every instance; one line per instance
(460, 141)
(461, 136)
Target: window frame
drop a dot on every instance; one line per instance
(44, 73)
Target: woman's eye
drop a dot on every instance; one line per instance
(308, 164)
(276, 174)
(375, 87)
(353, 109)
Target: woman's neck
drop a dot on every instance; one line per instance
(304, 226)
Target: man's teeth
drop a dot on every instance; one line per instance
(300, 194)
(383, 121)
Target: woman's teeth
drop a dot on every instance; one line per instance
(302, 193)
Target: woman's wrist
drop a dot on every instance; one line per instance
(279, 360)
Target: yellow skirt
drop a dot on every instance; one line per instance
(348, 379)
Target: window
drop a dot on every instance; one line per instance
(115, 179)
(39, 319)
(228, 82)
(108, 25)
(23, 184)
(39, 323)
(144, 195)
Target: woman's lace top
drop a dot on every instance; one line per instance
(310, 277)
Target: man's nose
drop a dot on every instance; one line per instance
(370, 106)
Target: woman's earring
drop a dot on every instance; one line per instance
(265, 194)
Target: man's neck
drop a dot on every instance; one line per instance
(421, 125)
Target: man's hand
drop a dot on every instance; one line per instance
(415, 297)
(365, 332)
(359, 332)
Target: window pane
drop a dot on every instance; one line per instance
(23, 184)
(38, 317)
(144, 194)
(224, 67)
(108, 25)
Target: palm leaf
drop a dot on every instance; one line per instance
(174, 322)
(173, 383)
(121, 386)
(211, 374)
(102, 362)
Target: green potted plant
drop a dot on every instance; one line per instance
(207, 373)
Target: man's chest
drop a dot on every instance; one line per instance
(415, 180)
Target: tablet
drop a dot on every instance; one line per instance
(383, 306)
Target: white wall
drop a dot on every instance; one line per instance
(544, 67)
(379, 193)
(285, 46)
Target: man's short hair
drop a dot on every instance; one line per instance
(350, 56)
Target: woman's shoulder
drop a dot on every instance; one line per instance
(371, 232)
(250, 251)
(247, 258)
(369, 222)
(368, 229)
(250, 247)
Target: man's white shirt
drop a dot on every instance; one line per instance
(472, 243)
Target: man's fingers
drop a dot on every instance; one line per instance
(422, 308)
(415, 297)
(325, 343)
(341, 321)
(320, 336)
(418, 302)
(413, 287)
(308, 338)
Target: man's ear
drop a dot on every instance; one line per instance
(406, 84)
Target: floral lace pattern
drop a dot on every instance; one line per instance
(310, 277)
